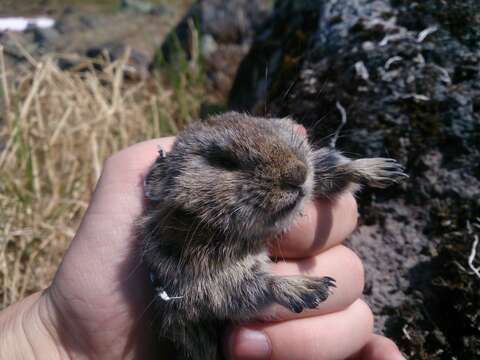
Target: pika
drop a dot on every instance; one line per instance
(231, 184)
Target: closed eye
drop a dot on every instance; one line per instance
(224, 161)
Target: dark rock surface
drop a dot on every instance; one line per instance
(407, 75)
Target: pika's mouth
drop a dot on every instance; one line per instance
(287, 209)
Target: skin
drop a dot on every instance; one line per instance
(97, 305)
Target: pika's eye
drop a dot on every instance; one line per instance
(224, 161)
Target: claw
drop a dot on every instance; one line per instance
(332, 285)
(296, 308)
(330, 282)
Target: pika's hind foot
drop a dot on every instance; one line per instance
(300, 292)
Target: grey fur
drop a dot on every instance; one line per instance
(230, 184)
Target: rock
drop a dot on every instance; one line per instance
(208, 45)
(226, 21)
(407, 75)
(279, 48)
(46, 38)
(226, 30)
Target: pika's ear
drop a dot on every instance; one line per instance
(152, 184)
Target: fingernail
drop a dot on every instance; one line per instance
(247, 344)
(301, 129)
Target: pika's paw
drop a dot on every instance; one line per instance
(299, 292)
(377, 172)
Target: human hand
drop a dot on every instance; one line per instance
(98, 303)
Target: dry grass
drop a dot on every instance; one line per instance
(56, 129)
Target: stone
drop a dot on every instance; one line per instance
(225, 30)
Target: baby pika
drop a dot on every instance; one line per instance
(229, 185)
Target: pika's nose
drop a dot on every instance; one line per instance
(295, 175)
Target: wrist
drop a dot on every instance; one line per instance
(28, 332)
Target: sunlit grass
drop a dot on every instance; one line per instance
(56, 129)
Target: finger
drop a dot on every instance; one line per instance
(301, 129)
(378, 348)
(120, 188)
(340, 263)
(333, 336)
(135, 159)
(324, 224)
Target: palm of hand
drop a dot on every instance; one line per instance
(101, 291)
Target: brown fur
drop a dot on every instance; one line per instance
(230, 183)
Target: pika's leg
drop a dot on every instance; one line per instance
(251, 288)
(300, 292)
(335, 173)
